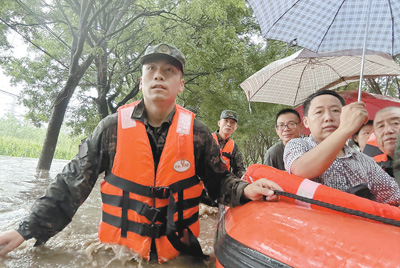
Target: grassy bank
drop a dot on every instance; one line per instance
(20, 139)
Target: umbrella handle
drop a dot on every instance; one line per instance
(248, 98)
(364, 47)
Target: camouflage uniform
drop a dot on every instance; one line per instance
(236, 162)
(54, 211)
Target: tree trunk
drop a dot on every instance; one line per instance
(102, 82)
(53, 130)
(57, 117)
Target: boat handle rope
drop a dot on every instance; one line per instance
(339, 208)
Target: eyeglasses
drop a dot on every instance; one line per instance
(289, 125)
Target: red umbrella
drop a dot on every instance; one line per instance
(373, 102)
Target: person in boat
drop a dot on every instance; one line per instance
(386, 128)
(288, 126)
(361, 137)
(324, 156)
(154, 153)
(230, 152)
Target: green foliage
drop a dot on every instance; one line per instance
(221, 41)
(21, 139)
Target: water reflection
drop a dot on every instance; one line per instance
(77, 245)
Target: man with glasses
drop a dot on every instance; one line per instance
(287, 126)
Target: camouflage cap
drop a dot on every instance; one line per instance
(167, 51)
(229, 114)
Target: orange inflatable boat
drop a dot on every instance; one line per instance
(293, 233)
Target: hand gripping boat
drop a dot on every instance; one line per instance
(291, 233)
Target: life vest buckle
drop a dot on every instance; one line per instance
(155, 230)
(160, 192)
(151, 213)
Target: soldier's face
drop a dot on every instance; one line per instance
(161, 81)
(227, 126)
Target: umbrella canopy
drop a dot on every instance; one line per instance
(291, 80)
(373, 102)
(331, 25)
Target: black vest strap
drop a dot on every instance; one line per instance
(130, 186)
(150, 191)
(150, 230)
(151, 213)
(175, 231)
(227, 155)
(184, 184)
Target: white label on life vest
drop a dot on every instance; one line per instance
(184, 123)
(307, 189)
(126, 118)
(181, 165)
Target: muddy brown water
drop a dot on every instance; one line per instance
(77, 245)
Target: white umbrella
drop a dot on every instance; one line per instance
(332, 25)
(292, 79)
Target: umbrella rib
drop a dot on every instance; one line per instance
(301, 78)
(330, 25)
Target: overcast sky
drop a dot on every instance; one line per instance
(9, 101)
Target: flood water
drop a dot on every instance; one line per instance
(77, 245)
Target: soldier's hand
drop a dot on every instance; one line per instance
(260, 188)
(9, 241)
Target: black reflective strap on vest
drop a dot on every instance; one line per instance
(175, 230)
(124, 213)
(143, 229)
(184, 184)
(151, 191)
(227, 155)
(151, 213)
(130, 186)
(163, 214)
(149, 230)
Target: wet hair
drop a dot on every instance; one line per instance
(306, 104)
(287, 111)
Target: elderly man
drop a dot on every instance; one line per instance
(230, 152)
(386, 128)
(324, 156)
(288, 126)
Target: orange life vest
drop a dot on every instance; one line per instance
(138, 202)
(226, 152)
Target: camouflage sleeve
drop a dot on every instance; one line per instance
(237, 164)
(220, 183)
(54, 210)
